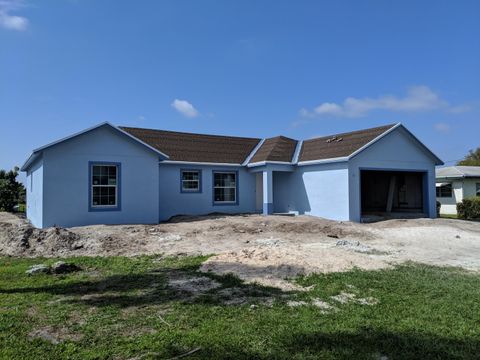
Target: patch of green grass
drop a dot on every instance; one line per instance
(120, 308)
(449, 216)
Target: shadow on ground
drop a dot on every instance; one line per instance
(158, 287)
(365, 343)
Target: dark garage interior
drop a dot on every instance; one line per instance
(392, 193)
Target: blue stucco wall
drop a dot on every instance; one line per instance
(395, 151)
(66, 183)
(150, 189)
(34, 192)
(173, 202)
(318, 190)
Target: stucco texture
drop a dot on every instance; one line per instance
(66, 183)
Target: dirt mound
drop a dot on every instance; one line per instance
(18, 237)
(257, 248)
(274, 266)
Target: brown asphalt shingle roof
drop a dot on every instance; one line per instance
(339, 145)
(235, 150)
(196, 147)
(279, 148)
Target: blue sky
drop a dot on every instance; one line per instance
(248, 68)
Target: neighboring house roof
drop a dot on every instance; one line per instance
(188, 147)
(277, 149)
(339, 145)
(458, 172)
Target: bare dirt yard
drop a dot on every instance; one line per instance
(267, 250)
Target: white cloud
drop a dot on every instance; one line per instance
(9, 21)
(418, 98)
(442, 127)
(184, 108)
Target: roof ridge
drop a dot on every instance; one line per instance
(387, 127)
(281, 137)
(189, 133)
(274, 147)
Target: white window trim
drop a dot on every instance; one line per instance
(92, 205)
(194, 190)
(225, 187)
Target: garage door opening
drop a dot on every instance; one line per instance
(393, 194)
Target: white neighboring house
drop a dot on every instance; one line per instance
(454, 183)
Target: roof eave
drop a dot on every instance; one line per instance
(438, 161)
(323, 161)
(262, 163)
(371, 142)
(37, 151)
(179, 162)
(253, 152)
(31, 159)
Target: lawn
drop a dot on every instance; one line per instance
(142, 308)
(449, 216)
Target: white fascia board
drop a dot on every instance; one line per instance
(323, 161)
(450, 177)
(254, 151)
(37, 150)
(71, 136)
(262, 163)
(374, 140)
(199, 163)
(33, 156)
(296, 153)
(139, 141)
(438, 161)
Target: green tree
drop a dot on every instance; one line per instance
(472, 159)
(11, 191)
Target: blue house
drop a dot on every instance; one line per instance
(122, 175)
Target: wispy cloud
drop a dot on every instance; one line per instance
(9, 21)
(442, 127)
(417, 99)
(185, 108)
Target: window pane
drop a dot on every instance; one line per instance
(190, 185)
(190, 175)
(224, 187)
(224, 179)
(104, 200)
(224, 194)
(104, 181)
(444, 191)
(229, 194)
(218, 180)
(219, 195)
(112, 171)
(229, 179)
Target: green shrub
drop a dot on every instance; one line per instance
(469, 208)
(11, 191)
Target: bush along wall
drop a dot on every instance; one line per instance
(469, 208)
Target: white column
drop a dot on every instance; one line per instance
(267, 192)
